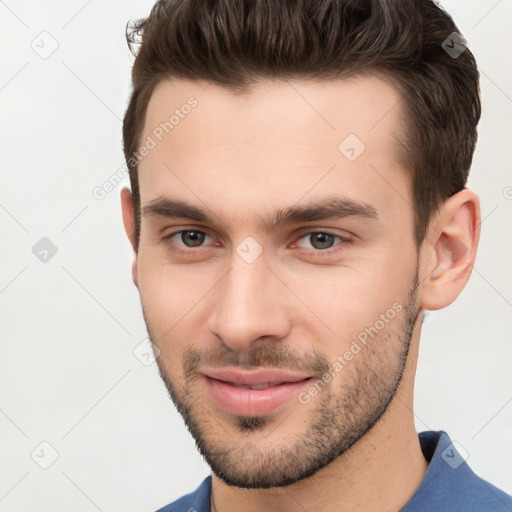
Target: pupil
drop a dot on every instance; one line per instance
(321, 240)
(194, 237)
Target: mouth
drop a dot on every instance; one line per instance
(253, 393)
(254, 386)
(252, 378)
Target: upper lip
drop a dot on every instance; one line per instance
(254, 377)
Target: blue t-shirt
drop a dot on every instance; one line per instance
(449, 485)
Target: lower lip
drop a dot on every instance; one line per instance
(253, 402)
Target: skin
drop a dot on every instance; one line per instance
(354, 446)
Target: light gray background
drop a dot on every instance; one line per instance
(68, 374)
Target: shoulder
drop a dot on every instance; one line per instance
(196, 501)
(450, 484)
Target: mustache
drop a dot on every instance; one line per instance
(269, 356)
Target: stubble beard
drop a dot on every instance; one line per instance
(337, 418)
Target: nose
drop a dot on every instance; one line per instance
(251, 302)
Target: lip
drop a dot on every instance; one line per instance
(254, 377)
(223, 389)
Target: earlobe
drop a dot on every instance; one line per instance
(129, 225)
(452, 243)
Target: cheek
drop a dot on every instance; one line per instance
(174, 299)
(348, 299)
(167, 291)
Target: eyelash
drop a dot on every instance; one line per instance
(168, 240)
(314, 252)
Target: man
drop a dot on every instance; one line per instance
(298, 201)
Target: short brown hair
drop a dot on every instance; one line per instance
(236, 43)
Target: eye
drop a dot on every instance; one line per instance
(188, 237)
(320, 240)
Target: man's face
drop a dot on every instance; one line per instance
(278, 273)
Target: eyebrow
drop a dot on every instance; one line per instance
(330, 207)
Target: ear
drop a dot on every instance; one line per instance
(129, 226)
(450, 250)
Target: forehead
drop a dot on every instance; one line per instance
(367, 105)
(276, 143)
